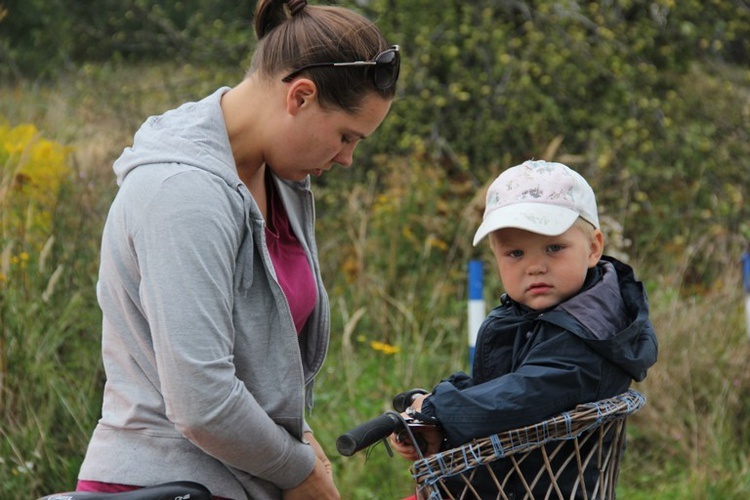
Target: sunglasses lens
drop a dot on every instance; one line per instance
(387, 69)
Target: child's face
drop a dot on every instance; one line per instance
(541, 271)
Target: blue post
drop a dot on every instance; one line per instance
(746, 285)
(476, 304)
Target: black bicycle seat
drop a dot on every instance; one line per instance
(176, 490)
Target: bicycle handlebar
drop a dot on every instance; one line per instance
(381, 427)
(368, 433)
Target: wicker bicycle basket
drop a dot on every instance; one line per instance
(575, 454)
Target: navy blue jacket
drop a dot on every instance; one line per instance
(530, 365)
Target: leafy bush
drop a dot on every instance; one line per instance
(630, 93)
(39, 38)
(649, 100)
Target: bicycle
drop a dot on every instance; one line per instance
(361, 437)
(174, 490)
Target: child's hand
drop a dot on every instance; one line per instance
(430, 436)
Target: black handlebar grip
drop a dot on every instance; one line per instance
(368, 433)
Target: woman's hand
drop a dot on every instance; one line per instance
(319, 484)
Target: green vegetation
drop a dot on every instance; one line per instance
(649, 100)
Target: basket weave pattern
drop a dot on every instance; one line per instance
(575, 454)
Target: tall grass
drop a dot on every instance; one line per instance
(394, 245)
(48, 370)
(695, 432)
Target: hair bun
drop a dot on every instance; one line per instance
(295, 6)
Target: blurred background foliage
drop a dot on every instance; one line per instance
(650, 100)
(41, 38)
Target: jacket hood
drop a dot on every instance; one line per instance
(200, 140)
(616, 304)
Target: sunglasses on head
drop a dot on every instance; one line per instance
(384, 74)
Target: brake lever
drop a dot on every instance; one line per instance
(403, 400)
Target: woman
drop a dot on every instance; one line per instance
(215, 319)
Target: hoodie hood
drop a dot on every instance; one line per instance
(194, 135)
(200, 141)
(616, 304)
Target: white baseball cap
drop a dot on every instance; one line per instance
(538, 196)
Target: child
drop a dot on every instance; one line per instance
(572, 326)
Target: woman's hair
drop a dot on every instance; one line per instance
(292, 34)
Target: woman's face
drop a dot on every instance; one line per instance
(317, 138)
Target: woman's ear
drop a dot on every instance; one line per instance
(302, 92)
(597, 247)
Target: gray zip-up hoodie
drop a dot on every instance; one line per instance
(207, 379)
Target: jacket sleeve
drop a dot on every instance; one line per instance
(558, 373)
(460, 380)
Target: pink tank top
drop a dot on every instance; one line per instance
(290, 262)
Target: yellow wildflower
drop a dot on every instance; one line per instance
(32, 171)
(385, 348)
